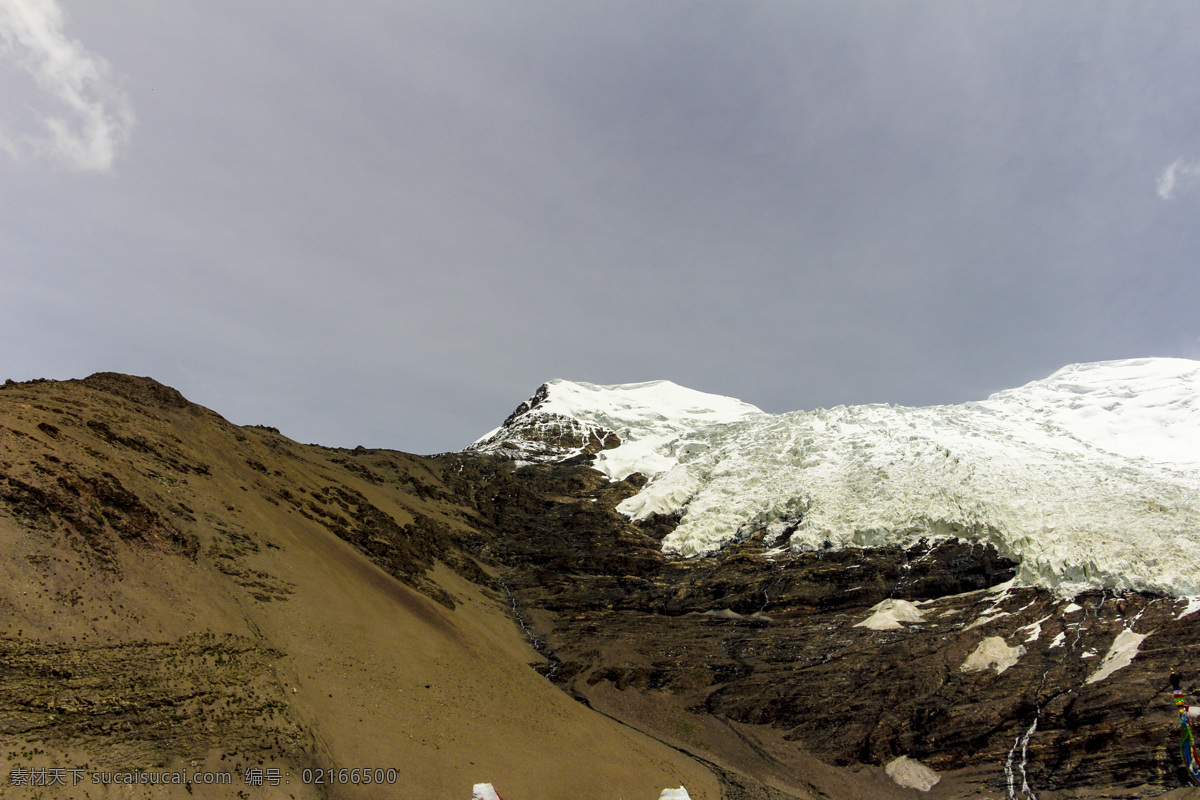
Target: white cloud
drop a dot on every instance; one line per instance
(84, 116)
(1179, 175)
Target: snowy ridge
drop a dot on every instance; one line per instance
(565, 419)
(1090, 478)
(1145, 409)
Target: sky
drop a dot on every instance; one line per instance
(386, 223)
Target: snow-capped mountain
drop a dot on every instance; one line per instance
(850, 666)
(1089, 478)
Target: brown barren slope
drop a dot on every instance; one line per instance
(180, 593)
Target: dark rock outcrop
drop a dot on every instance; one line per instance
(533, 434)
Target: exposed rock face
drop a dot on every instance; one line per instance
(533, 434)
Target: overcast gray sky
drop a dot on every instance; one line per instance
(386, 223)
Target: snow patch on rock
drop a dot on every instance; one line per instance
(993, 653)
(1120, 654)
(1035, 630)
(911, 774)
(888, 615)
(985, 618)
(1191, 606)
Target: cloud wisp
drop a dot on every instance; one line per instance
(1179, 175)
(85, 117)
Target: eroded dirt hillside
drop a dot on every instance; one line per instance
(180, 595)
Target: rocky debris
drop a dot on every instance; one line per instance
(228, 552)
(852, 695)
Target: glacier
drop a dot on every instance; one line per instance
(1090, 478)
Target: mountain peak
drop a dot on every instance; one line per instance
(143, 391)
(567, 419)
